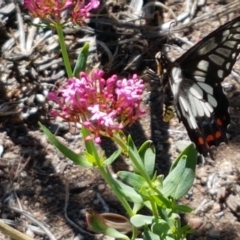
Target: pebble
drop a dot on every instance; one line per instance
(214, 234)
(82, 212)
(181, 145)
(216, 207)
(195, 222)
(38, 190)
(30, 233)
(225, 168)
(219, 214)
(40, 98)
(233, 203)
(208, 226)
(101, 187)
(79, 237)
(1, 150)
(37, 204)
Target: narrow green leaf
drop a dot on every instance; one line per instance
(144, 146)
(113, 157)
(78, 159)
(134, 180)
(182, 209)
(162, 201)
(81, 60)
(127, 191)
(134, 152)
(148, 155)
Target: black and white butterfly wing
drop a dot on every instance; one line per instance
(195, 79)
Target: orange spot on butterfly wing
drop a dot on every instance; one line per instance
(200, 141)
(219, 121)
(218, 134)
(209, 138)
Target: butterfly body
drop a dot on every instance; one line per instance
(195, 82)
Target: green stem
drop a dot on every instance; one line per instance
(64, 49)
(154, 209)
(91, 149)
(108, 178)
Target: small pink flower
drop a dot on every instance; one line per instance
(78, 10)
(81, 10)
(101, 105)
(48, 9)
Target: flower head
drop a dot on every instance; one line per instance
(101, 105)
(47, 9)
(77, 10)
(81, 10)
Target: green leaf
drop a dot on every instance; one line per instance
(192, 153)
(81, 60)
(134, 153)
(76, 158)
(114, 233)
(139, 220)
(137, 207)
(128, 192)
(90, 158)
(134, 180)
(163, 230)
(113, 157)
(182, 209)
(181, 177)
(148, 154)
(162, 201)
(149, 235)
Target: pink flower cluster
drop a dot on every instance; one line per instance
(101, 105)
(52, 10)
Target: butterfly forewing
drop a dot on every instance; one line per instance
(195, 79)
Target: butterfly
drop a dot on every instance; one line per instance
(194, 80)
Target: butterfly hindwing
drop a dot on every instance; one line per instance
(195, 80)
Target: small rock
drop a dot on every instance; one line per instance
(233, 203)
(38, 190)
(40, 98)
(78, 237)
(181, 145)
(208, 226)
(201, 172)
(195, 222)
(216, 207)
(214, 234)
(219, 214)
(1, 150)
(101, 187)
(30, 233)
(228, 87)
(225, 168)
